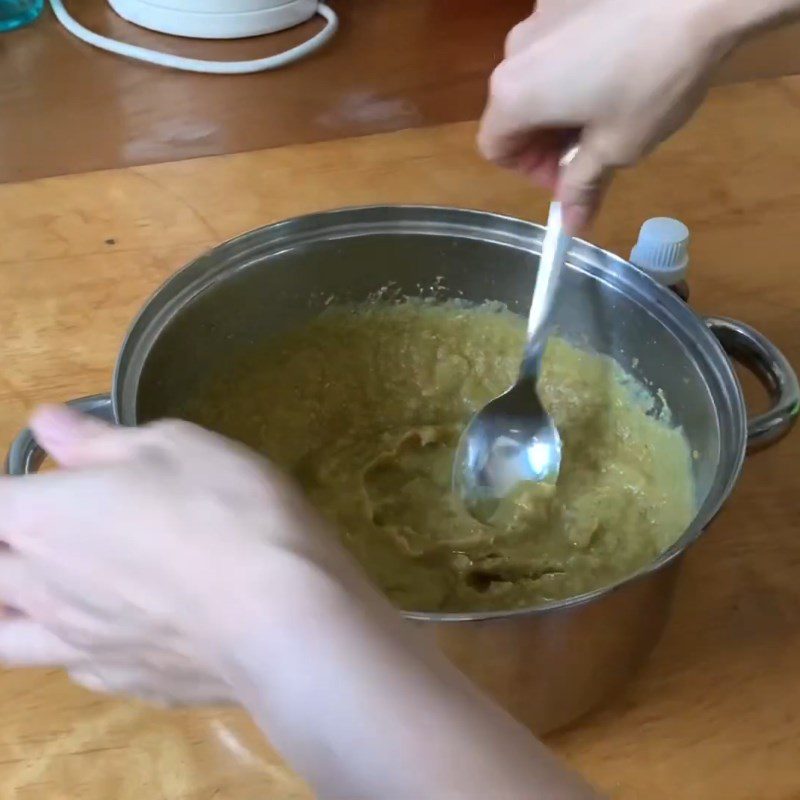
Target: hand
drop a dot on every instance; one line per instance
(124, 568)
(619, 76)
(168, 563)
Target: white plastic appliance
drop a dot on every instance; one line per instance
(209, 19)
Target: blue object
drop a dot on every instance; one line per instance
(16, 13)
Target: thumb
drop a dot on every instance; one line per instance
(77, 440)
(582, 184)
(25, 643)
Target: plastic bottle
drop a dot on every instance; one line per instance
(16, 13)
(662, 251)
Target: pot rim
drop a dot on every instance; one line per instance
(199, 274)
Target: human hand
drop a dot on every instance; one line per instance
(168, 563)
(618, 76)
(131, 567)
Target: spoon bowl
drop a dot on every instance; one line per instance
(512, 442)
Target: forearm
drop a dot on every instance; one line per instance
(384, 715)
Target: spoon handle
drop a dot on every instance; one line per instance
(551, 264)
(548, 277)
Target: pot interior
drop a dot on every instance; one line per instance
(272, 279)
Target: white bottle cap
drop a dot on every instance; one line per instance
(662, 250)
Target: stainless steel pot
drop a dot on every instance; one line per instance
(547, 665)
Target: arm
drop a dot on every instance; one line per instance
(390, 717)
(618, 75)
(170, 564)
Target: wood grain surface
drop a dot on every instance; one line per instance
(716, 713)
(70, 108)
(394, 64)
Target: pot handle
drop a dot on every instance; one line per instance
(757, 353)
(25, 456)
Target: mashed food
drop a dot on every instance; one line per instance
(364, 406)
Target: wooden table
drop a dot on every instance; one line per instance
(716, 713)
(394, 64)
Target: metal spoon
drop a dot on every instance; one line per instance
(512, 440)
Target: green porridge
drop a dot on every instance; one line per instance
(364, 406)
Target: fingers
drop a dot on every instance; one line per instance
(582, 184)
(14, 508)
(35, 506)
(504, 127)
(15, 582)
(525, 111)
(519, 37)
(540, 161)
(77, 440)
(87, 678)
(73, 440)
(24, 643)
(158, 687)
